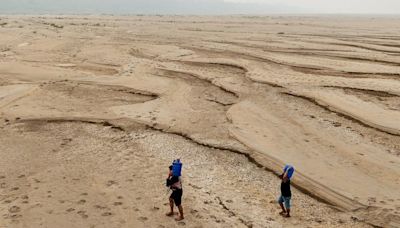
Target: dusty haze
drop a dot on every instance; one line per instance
(201, 6)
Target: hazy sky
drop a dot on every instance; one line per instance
(200, 6)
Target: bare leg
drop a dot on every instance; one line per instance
(283, 209)
(171, 205)
(287, 212)
(180, 213)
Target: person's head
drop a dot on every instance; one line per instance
(284, 177)
(170, 170)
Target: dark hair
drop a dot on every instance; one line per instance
(170, 167)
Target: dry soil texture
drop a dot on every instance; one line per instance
(94, 108)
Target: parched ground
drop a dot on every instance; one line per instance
(93, 109)
(91, 175)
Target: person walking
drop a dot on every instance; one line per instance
(175, 184)
(286, 194)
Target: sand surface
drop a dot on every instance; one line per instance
(94, 108)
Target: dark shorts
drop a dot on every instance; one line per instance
(177, 196)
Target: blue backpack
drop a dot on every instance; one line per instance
(290, 171)
(176, 168)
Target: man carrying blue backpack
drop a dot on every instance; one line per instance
(286, 194)
(175, 184)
